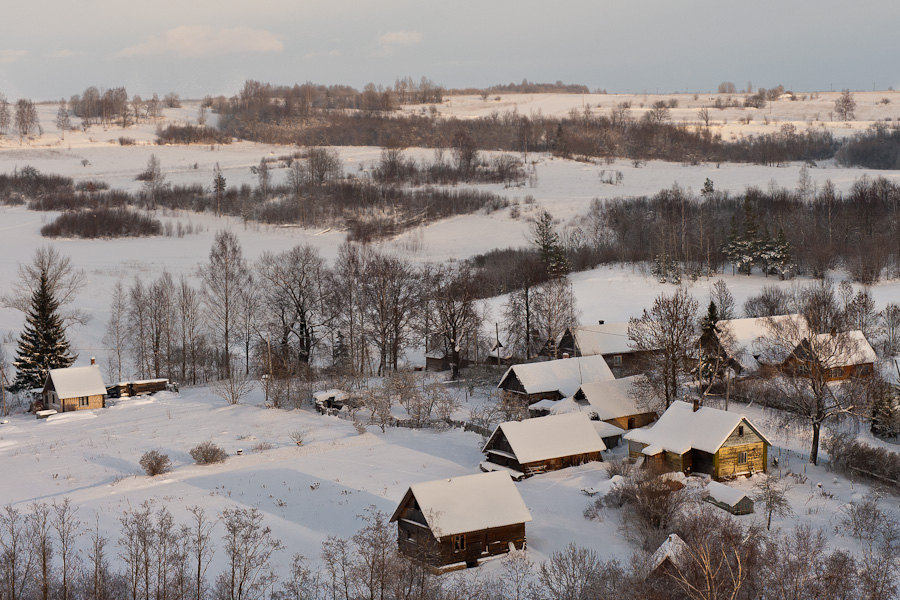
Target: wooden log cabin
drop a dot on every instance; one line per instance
(703, 440)
(461, 520)
(609, 340)
(543, 444)
(528, 383)
(74, 388)
(835, 356)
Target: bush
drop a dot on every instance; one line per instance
(126, 141)
(856, 458)
(208, 453)
(155, 463)
(102, 223)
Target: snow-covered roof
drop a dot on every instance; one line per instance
(743, 339)
(611, 399)
(844, 349)
(673, 548)
(724, 494)
(565, 375)
(680, 429)
(332, 394)
(543, 438)
(542, 405)
(75, 382)
(605, 430)
(468, 503)
(609, 338)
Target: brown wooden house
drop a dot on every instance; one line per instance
(543, 444)
(615, 402)
(609, 340)
(720, 443)
(835, 356)
(74, 388)
(461, 520)
(528, 383)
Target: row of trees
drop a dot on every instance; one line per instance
(49, 553)
(22, 119)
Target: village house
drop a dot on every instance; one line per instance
(74, 388)
(743, 341)
(703, 440)
(545, 444)
(609, 340)
(461, 520)
(528, 383)
(727, 498)
(837, 356)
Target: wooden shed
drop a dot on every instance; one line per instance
(707, 440)
(727, 498)
(74, 388)
(461, 520)
(528, 383)
(543, 444)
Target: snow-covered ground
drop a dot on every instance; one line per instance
(315, 490)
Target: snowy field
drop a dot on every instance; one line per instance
(309, 492)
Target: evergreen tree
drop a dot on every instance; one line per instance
(781, 256)
(548, 244)
(43, 345)
(712, 365)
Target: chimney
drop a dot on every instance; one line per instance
(93, 361)
(565, 355)
(696, 404)
(600, 322)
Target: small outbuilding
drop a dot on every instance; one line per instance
(671, 556)
(727, 498)
(704, 440)
(74, 388)
(461, 520)
(615, 402)
(543, 444)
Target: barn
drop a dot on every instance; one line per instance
(461, 520)
(704, 440)
(74, 388)
(543, 444)
(528, 383)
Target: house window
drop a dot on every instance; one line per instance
(740, 431)
(459, 542)
(630, 422)
(617, 360)
(836, 373)
(84, 401)
(742, 458)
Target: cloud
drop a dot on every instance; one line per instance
(202, 41)
(387, 41)
(400, 38)
(7, 57)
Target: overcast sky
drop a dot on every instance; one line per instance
(55, 48)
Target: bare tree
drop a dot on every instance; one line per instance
(116, 332)
(391, 287)
(262, 176)
(41, 540)
(67, 526)
(5, 115)
(454, 310)
(63, 122)
(154, 181)
(223, 280)
(666, 335)
(27, 121)
(890, 326)
(554, 310)
(236, 385)
(63, 279)
(249, 549)
(721, 295)
(807, 360)
(771, 492)
(18, 558)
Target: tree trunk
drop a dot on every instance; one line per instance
(814, 449)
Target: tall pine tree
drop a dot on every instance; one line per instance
(43, 345)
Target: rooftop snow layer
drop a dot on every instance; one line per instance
(611, 399)
(724, 494)
(543, 438)
(844, 349)
(673, 549)
(609, 338)
(470, 503)
(743, 338)
(680, 429)
(76, 382)
(565, 375)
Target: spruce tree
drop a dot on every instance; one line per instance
(43, 345)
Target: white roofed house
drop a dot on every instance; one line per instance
(528, 383)
(707, 440)
(746, 342)
(609, 340)
(74, 388)
(461, 519)
(835, 356)
(544, 444)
